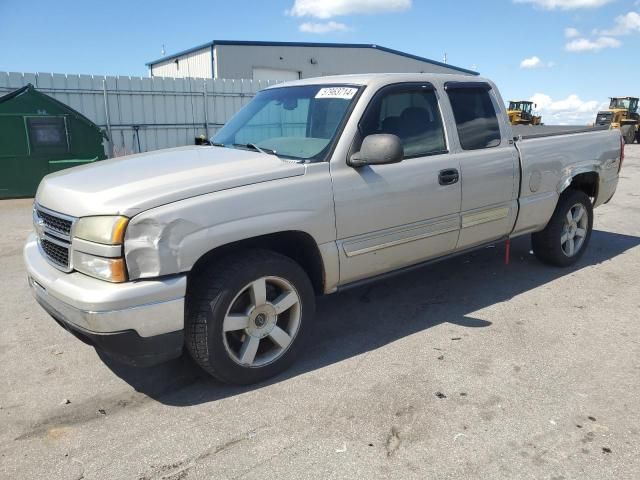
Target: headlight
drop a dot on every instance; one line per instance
(108, 230)
(97, 247)
(109, 269)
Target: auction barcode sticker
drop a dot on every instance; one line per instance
(346, 93)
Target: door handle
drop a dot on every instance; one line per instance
(448, 176)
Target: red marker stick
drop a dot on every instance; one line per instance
(507, 251)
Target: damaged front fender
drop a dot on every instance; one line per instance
(153, 246)
(171, 238)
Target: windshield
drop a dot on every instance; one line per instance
(522, 106)
(293, 122)
(620, 103)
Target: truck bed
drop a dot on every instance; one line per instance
(531, 131)
(549, 158)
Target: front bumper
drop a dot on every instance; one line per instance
(139, 322)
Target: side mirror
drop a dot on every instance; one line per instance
(378, 149)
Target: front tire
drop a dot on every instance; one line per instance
(247, 316)
(566, 236)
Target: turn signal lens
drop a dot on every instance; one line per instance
(109, 269)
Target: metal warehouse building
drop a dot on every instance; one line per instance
(290, 60)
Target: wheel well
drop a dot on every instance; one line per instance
(587, 183)
(299, 246)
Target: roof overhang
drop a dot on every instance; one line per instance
(213, 43)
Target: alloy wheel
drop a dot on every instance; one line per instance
(574, 230)
(262, 322)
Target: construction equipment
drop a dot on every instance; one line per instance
(521, 113)
(622, 114)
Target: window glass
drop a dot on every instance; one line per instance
(619, 103)
(413, 116)
(476, 118)
(295, 122)
(276, 119)
(48, 134)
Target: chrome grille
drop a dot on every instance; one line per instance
(55, 253)
(57, 224)
(54, 236)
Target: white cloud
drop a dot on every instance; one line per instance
(531, 62)
(568, 111)
(571, 32)
(586, 45)
(624, 25)
(334, 8)
(535, 62)
(565, 4)
(326, 27)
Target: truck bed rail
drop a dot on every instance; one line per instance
(523, 132)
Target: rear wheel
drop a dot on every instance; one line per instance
(565, 238)
(247, 316)
(628, 133)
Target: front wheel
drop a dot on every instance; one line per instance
(247, 316)
(566, 236)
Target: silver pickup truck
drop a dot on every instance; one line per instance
(314, 186)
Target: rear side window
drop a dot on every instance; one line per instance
(412, 114)
(476, 118)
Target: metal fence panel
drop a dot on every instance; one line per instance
(142, 114)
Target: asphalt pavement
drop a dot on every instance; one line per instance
(467, 369)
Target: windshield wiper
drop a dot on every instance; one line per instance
(253, 146)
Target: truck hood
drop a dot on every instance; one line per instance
(129, 185)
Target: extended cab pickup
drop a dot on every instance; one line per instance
(314, 186)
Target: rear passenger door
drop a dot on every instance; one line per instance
(488, 161)
(391, 216)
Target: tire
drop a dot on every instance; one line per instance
(628, 133)
(638, 135)
(548, 244)
(248, 315)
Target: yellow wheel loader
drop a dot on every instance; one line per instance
(622, 114)
(521, 113)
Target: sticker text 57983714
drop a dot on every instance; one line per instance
(345, 93)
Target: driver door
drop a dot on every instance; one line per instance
(396, 215)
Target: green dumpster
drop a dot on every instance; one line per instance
(40, 135)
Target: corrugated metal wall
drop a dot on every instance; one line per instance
(196, 64)
(238, 61)
(144, 114)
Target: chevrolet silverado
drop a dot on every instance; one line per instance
(315, 186)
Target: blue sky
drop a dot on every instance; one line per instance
(571, 46)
